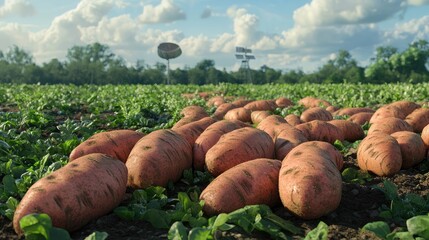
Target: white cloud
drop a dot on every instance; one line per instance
(245, 26)
(165, 12)
(336, 12)
(17, 7)
(418, 2)
(405, 33)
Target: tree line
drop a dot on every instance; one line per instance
(97, 64)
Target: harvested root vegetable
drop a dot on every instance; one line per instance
(159, 157)
(386, 112)
(238, 146)
(406, 107)
(361, 118)
(309, 102)
(222, 110)
(241, 102)
(115, 143)
(188, 119)
(193, 110)
(209, 137)
(352, 111)
(317, 130)
(380, 154)
(240, 114)
(261, 105)
(258, 116)
(248, 183)
(283, 102)
(418, 119)
(286, 139)
(192, 131)
(293, 119)
(413, 149)
(315, 113)
(269, 124)
(389, 125)
(81, 191)
(351, 131)
(215, 101)
(332, 109)
(310, 184)
(425, 136)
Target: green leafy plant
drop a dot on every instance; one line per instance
(354, 175)
(318, 233)
(39, 226)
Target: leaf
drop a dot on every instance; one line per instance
(319, 233)
(284, 224)
(379, 228)
(158, 218)
(96, 236)
(400, 235)
(36, 224)
(220, 220)
(124, 213)
(9, 184)
(349, 174)
(200, 234)
(419, 225)
(59, 233)
(177, 231)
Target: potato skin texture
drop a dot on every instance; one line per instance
(209, 137)
(251, 182)
(310, 184)
(159, 157)
(238, 146)
(115, 143)
(380, 154)
(413, 148)
(83, 190)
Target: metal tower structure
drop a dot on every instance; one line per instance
(244, 54)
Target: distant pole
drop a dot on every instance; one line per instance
(168, 71)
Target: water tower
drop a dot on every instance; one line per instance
(168, 50)
(243, 54)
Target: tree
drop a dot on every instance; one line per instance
(18, 56)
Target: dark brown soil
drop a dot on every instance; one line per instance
(359, 205)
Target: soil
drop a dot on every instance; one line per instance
(360, 204)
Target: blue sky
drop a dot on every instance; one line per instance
(299, 34)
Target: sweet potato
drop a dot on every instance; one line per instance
(317, 130)
(352, 111)
(351, 131)
(248, 183)
(283, 102)
(215, 101)
(286, 139)
(83, 190)
(240, 114)
(389, 125)
(261, 105)
(193, 110)
(293, 119)
(418, 119)
(269, 124)
(159, 157)
(361, 118)
(315, 113)
(385, 112)
(209, 137)
(332, 109)
(379, 153)
(413, 149)
(238, 146)
(115, 143)
(192, 131)
(425, 135)
(310, 184)
(258, 116)
(405, 106)
(241, 102)
(222, 110)
(309, 102)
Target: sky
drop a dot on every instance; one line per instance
(282, 34)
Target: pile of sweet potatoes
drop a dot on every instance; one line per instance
(256, 157)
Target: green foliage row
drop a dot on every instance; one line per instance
(97, 64)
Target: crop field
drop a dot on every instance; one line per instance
(40, 125)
